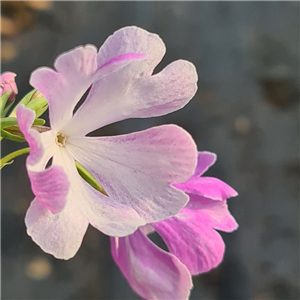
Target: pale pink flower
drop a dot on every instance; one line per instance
(194, 244)
(8, 84)
(136, 170)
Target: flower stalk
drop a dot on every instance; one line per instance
(8, 159)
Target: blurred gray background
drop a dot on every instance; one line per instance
(246, 111)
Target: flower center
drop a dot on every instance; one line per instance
(60, 139)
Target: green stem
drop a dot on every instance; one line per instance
(6, 160)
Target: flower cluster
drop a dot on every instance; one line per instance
(149, 180)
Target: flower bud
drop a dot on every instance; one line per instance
(8, 84)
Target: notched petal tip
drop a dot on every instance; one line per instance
(81, 58)
(187, 69)
(205, 160)
(132, 39)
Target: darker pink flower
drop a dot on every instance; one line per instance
(194, 244)
(8, 84)
(136, 170)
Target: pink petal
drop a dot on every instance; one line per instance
(104, 213)
(63, 89)
(137, 169)
(191, 237)
(133, 92)
(147, 229)
(49, 186)
(216, 213)
(25, 117)
(205, 161)
(61, 234)
(8, 84)
(109, 216)
(77, 70)
(208, 187)
(151, 272)
(54, 188)
(53, 223)
(199, 247)
(132, 39)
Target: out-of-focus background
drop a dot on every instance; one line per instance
(246, 111)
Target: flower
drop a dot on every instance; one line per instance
(136, 170)
(8, 84)
(195, 245)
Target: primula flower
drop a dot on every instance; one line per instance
(8, 84)
(194, 244)
(136, 170)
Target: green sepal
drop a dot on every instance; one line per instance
(39, 121)
(35, 101)
(3, 102)
(13, 133)
(10, 121)
(7, 122)
(7, 108)
(39, 105)
(25, 100)
(89, 178)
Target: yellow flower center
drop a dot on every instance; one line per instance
(60, 139)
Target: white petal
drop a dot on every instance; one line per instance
(106, 214)
(61, 234)
(136, 169)
(133, 92)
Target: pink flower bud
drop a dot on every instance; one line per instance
(8, 84)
